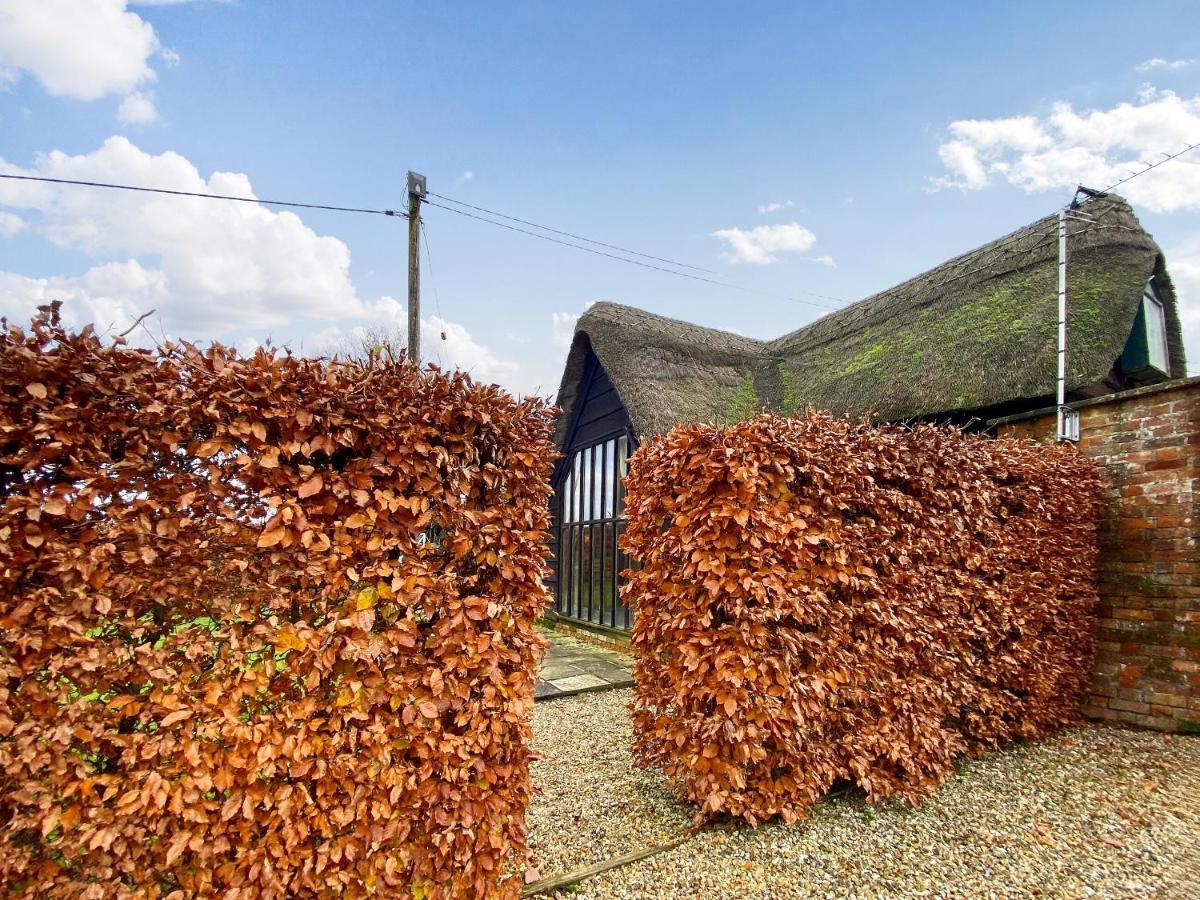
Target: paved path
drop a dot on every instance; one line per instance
(572, 666)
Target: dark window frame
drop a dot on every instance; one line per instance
(590, 503)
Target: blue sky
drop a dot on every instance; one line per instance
(891, 136)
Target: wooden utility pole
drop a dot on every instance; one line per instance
(416, 190)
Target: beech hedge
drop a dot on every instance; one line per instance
(268, 622)
(822, 603)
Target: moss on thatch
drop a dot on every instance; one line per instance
(744, 402)
(976, 333)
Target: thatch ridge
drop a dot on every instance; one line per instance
(976, 333)
(664, 370)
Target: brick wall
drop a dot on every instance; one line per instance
(1147, 442)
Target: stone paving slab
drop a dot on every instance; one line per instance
(572, 666)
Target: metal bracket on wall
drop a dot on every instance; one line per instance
(1068, 424)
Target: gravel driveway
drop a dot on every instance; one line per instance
(1094, 811)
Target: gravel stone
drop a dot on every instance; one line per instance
(1093, 811)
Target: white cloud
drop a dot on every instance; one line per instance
(210, 269)
(1158, 62)
(461, 351)
(762, 245)
(230, 265)
(466, 176)
(1097, 148)
(1183, 261)
(137, 109)
(84, 49)
(774, 206)
(825, 260)
(446, 343)
(111, 296)
(10, 224)
(170, 57)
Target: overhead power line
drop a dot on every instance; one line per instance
(546, 237)
(500, 215)
(403, 215)
(151, 190)
(634, 262)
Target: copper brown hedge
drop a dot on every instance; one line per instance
(819, 602)
(268, 622)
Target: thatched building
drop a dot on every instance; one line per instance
(973, 339)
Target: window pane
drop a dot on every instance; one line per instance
(579, 607)
(610, 476)
(608, 578)
(598, 481)
(567, 489)
(564, 572)
(1156, 333)
(575, 511)
(593, 481)
(622, 455)
(594, 573)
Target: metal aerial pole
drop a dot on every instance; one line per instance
(1064, 414)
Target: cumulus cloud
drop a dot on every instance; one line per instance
(1095, 147)
(230, 265)
(111, 296)
(453, 344)
(210, 269)
(84, 49)
(449, 344)
(137, 109)
(764, 244)
(825, 260)
(1158, 62)
(774, 206)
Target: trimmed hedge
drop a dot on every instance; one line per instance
(819, 602)
(268, 626)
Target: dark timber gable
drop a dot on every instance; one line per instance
(598, 437)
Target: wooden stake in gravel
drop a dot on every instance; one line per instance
(575, 876)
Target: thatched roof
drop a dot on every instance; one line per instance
(976, 334)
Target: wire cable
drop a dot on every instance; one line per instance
(1166, 159)
(403, 215)
(492, 212)
(437, 301)
(576, 246)
(624, 259)
(150, 190)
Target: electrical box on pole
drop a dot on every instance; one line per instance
(416, 192)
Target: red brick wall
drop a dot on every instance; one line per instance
(1147, 443)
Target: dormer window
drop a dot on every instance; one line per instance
(1156, 329)
(1146, 356)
